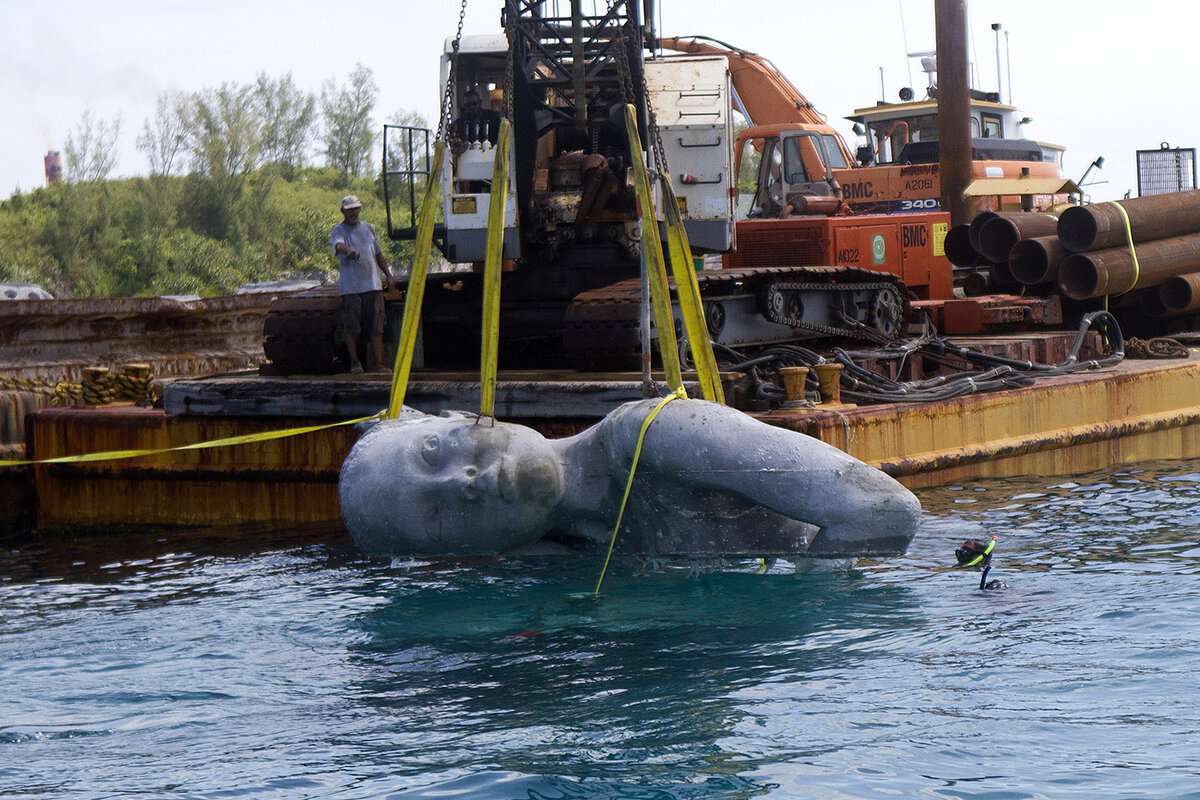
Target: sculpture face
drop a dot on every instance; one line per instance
(449, 486)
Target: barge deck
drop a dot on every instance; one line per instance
(1136, 411)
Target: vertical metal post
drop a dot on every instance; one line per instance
(954, 109)
(578, 64)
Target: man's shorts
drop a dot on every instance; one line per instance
(363, 314)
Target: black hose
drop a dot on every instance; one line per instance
(863, 386)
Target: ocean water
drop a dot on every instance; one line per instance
(280, 667)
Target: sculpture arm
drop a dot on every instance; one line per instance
(711, 446)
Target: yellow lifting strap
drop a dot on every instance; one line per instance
(489, 346)
(688, 291)
(1137, 269)
(678, 394)
(660, 299)
(416, 284)
(246, 438)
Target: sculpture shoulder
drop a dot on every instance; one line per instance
(621, 429)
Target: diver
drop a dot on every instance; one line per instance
(974, 553)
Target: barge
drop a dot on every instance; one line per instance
(1134, 411)
(565, 258)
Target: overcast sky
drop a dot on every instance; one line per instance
(1102, 78)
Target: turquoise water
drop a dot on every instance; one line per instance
(285, 669)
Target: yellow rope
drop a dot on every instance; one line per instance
(1137, 270)
(678, 394)
(116, 455)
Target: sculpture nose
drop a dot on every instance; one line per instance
(471, 482)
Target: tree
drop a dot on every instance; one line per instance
(349, 131)
(286, 114)
(164, 143)
(226, 136)
(225, 143)
(90, 151)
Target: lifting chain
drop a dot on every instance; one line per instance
(448, 93)
(510, 33)
(653, 137)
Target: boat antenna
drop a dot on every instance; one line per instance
(904, 36)
(976, 553)
(999, 88)
(1008, 65)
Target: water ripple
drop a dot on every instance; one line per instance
(302, 670)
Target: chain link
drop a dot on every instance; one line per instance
(510, 33)
(448, 94)
(653, 136)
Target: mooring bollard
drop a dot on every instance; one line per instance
(793, 382)
(829, 377)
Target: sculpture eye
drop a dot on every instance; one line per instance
(431, 451)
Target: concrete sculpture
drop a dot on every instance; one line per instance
(710, 481)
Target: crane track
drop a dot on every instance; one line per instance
(601, 327)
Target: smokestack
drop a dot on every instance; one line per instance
(53, 167)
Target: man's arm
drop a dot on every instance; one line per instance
(388, 281)
(341, 245)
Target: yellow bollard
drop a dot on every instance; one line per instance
(793, 382)
(829, 377)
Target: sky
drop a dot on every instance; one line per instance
(1097, 76)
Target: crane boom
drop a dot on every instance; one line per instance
(766, 95)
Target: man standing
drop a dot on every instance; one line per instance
(360, 283)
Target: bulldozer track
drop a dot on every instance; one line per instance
(601, 331)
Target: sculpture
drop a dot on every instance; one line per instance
(710, 481)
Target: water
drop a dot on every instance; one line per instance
(284, 669)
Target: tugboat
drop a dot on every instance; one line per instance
(906, 133)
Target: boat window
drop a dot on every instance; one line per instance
(992, 127)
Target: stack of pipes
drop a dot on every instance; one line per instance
(986, 243)
(1086, 253)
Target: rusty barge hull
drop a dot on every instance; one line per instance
(1137, 411)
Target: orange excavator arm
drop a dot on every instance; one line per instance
(767, 97)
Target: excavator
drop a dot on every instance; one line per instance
(768, 201)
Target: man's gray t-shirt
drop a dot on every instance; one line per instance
(361, 275)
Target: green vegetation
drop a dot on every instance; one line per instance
(182, 235)
(229, 198)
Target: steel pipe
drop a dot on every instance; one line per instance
(1101, 225)
(999, 233)
(1036, 260)
(977, 223)
(958, 247)
(1100, 272)
(1181, 293)
(1002, 275)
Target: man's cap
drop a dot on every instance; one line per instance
(350, 201)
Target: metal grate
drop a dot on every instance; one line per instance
(1167, 169)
